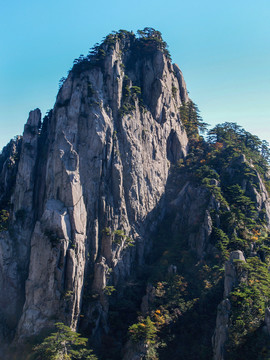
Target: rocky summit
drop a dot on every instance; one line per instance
(119, 221)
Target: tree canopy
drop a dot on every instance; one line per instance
(64, 344)
(191, 119)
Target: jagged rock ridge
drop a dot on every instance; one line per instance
(108, 192)
(98, 164)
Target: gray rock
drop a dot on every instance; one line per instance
(25, 180)
(99, 282)
(261, 198)
(221, 331)
(148, 298)
(9, 159)
(135, 351)
(233, 276)
(267, 319)
(92, 167)
(192, 206)
(15, 244)
(258, 192)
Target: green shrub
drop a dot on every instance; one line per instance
(174, 91)
(106, 231)
(249, 301)
(221, 242)
(136, 90)
(4, 219)
(120, 236)
(143, 331)
(64, 344)
(108, 290)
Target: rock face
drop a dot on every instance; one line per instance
(267, 320)
(232, 278)
(221, 332)
(107, 193)
(255, 189)
(17, 181)
(88, 184)
(193, 205)
(135, 351)
(8, 168)
(261, 197)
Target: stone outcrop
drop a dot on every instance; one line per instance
(15, 244)
(83, 194)
(9, 160)
(89, 183)
(135, 351)
(221, 331)
(233, 277)
(267, 320)
(25, 179)
(254, 188)
(192, 206)
(148, 298)
(261, 197)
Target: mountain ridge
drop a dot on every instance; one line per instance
(116, 187)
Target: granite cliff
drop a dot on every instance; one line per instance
(113, 204)
(89, 183)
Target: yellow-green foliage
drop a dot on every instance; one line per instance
(4, 217)
(108, 290)
(120, 236)
(144, 330)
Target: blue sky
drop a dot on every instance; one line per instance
(223, 49)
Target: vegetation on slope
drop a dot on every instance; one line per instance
(231, 166)
(144, 44)
(180, 319)
(64, 344)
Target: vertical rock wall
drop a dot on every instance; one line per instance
(92, 182)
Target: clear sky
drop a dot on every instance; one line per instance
(222, 47)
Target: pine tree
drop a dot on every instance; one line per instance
(64, 344)
(192, 120)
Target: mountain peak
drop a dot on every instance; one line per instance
(114, 205)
